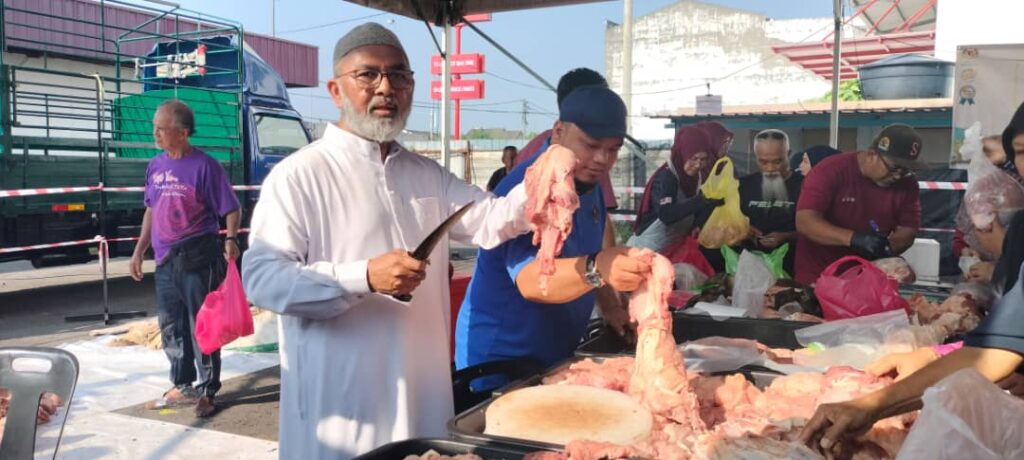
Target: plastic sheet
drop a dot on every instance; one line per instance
(752, 279)
(720, 354)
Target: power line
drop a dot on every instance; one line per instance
(322, 26)
(514, 82)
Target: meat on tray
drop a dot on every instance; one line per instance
(434, 455)
(956, 315)
(704, 417)
(896, 268)
(551, 202)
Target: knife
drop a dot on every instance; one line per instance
(430, 242)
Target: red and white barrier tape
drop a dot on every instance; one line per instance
(923, 185)
(47, 191)
(91, 188)
(98, 239)
(632, 218)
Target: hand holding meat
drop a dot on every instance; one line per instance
(833, 423)
(874, 245)
(902, 364)
(620, 270)
(991, 238)
(980, 272)
(395, 273)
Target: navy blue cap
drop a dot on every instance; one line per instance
(597, 110)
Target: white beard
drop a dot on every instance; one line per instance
(773, 188)
(367, 126)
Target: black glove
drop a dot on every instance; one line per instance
(871, 244)
(707, 204)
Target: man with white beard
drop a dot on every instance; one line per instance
(768, 197)
(329, 251)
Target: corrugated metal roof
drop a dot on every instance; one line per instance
(431, 9)
(883, 106)
(47, 25)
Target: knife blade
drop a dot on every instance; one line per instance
(430, 242)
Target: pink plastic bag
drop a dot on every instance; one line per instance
(225, 314)
(859, 289)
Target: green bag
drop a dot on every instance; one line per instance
(774, 260)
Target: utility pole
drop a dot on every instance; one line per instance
(273, 18)
(524, 118)
(627, 60)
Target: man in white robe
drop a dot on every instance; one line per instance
(328, 249)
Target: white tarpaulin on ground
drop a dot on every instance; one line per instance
(989, 85)
(112, 378)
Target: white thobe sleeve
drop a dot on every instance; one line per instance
(275, 273)
(492, 220)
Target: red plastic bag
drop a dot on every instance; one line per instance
(860, 289)
(225, 314)
(687, 251)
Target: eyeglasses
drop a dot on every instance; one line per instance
(771, 133)
(371, 79)
(897, 171)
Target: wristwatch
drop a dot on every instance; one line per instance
(231, 238)
(593, 276)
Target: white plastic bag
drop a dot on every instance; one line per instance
(966, 417)
(752, 279)
(688, 277)
(720, 354)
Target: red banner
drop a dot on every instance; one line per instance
(460, 64)
(461, 89)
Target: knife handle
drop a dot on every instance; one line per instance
(403, 297)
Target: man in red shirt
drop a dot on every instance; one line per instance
(860, 203)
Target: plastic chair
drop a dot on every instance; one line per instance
(512, 369)
(26, 387)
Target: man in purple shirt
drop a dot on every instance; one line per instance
(187, 192)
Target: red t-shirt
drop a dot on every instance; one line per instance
(837, 189)
(533, 147)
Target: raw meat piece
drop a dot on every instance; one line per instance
(551, 202)
(956, 315)
(612, 373)
(591, 450)
(659, 379)
(752, 447)
(434, 455)
(896, 268)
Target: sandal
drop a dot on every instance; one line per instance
(205, 407)
(174, 397)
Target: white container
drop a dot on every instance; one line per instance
(923, 257)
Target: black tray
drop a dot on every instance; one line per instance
(469, 425)
(774, 333)
(487, 450)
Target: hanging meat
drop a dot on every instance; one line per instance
(551, 202)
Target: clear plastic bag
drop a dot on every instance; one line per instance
(752, 279)
(971, 416)
(854, 342)
(720, 354)
(688, 277)
(982, 294)
(991, 193)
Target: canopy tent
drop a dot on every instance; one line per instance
(448, 13)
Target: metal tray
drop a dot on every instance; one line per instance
(775, 333)
(487, 450)
(469, 425)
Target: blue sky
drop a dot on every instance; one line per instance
(550, 40)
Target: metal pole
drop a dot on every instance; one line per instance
(511, 56)
(627, 60)
(446, 90)
(837, 45)
(273, 18)
(458, 103)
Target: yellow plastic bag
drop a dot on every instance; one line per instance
(727, 225)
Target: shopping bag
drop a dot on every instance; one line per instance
(774, 260)
(853, 287)
(687, 251)
(727, 226)
(752, 279)
(970, 417)
(991, 194)
(225, 314)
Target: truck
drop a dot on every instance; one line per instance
(68, 121)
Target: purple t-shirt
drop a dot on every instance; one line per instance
(187, 196)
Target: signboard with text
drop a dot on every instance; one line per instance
(460, 64)
(461, 89)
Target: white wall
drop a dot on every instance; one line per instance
(977, 22)
(679, 48)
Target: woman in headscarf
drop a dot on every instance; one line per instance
(719, 137)
(807, 159)
(672, 196)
